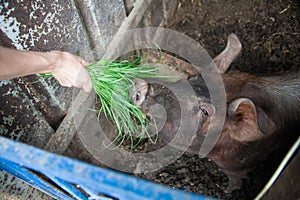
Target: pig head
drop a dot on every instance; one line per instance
(260, 111)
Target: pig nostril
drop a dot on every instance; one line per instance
(205, 112)
(138, 96)
(139, 91)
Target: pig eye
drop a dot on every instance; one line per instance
(204, 111)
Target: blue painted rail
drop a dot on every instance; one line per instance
(68, 175)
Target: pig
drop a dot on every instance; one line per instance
(262, 112)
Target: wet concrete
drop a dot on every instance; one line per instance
(34, 110)
(37, 106)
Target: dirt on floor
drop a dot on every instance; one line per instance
(270, 35)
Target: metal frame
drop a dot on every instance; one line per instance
(66, 173)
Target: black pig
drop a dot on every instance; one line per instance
(262, 112)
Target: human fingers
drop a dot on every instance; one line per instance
(83, 80)
(63, 81)
(88, 86)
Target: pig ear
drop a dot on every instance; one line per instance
(245, 117)
(228, 55)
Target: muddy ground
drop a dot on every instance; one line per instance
(270, 35)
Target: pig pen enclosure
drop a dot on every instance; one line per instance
(270, 36)
(269, 32)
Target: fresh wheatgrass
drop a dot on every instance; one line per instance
(112, 81)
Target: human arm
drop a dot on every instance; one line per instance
(67, 68)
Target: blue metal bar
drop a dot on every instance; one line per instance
(67, 187)
(28, 177)
(93, 193)
(104, 181)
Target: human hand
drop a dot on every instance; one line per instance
(69, 70)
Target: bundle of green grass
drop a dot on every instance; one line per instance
(112, 81)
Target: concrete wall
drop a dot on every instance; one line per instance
(27, 104)
(33, 109)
